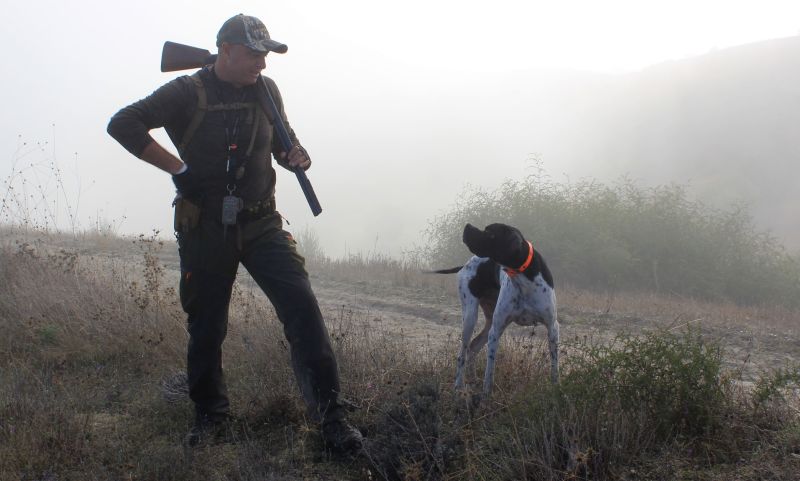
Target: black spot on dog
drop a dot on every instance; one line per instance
(486, 283)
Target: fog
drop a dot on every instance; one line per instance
(403, 105)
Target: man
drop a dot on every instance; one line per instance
(225, 141)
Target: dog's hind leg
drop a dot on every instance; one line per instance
(469, 311)
(487, 306)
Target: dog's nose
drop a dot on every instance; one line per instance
(468, 230)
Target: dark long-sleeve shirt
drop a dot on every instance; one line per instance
(173, 107)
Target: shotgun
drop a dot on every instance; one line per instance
(176, 56)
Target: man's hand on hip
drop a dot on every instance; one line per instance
(185, 182)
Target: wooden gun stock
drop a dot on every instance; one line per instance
(176, 56)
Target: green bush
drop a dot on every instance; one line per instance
(615, 403)
(627, 237)
(673, 381)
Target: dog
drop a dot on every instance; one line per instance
(511, 282)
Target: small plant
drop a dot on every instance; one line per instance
(150, 292)
(35, 196)
(309, 246)
(48, 335)
(774, 384)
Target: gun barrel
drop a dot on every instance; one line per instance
(268, 104)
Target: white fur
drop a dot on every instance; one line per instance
(521, 300)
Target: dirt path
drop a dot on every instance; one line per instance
(418, 313)
(413, 313)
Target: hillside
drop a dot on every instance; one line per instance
(728, 122)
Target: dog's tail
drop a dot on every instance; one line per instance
(451, 270)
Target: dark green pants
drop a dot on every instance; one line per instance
(209, 262)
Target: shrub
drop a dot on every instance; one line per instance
(615, 403)
(673, 381)
(774, 384)
(627, 237)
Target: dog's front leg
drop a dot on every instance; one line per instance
(469, 311)
(552, 341)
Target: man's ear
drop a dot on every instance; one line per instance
(224, 50)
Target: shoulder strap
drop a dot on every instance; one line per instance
(199, 113)
(203, 107)
(256, 118)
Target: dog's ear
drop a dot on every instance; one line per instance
(504, 244)
(503, 231)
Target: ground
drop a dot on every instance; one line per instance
(754, 339)
(98, 330)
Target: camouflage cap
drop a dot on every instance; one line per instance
(250, 32)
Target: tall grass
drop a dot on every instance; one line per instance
(404, 271)
(623, 236)
(39, 195)
(89, 342)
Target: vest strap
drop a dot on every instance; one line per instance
(199, 113)
(203, 107)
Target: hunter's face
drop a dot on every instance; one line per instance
(242, 66)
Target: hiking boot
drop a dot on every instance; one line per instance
(208, 430)
(341, 437)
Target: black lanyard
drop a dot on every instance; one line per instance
(231, 138)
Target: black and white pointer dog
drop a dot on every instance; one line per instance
(511, 283)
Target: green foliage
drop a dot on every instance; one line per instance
(615, 403)
(672, 381)
(774, 384)
(48, 335)
(627, 237)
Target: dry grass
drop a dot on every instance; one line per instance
(90, 339)
(676, 310)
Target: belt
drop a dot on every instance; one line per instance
(258, 209)
(251, 210)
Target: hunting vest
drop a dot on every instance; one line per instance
(204, 143)
(203, 107)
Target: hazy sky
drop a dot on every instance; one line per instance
(399, 103)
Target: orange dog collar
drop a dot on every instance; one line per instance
(513, 272)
